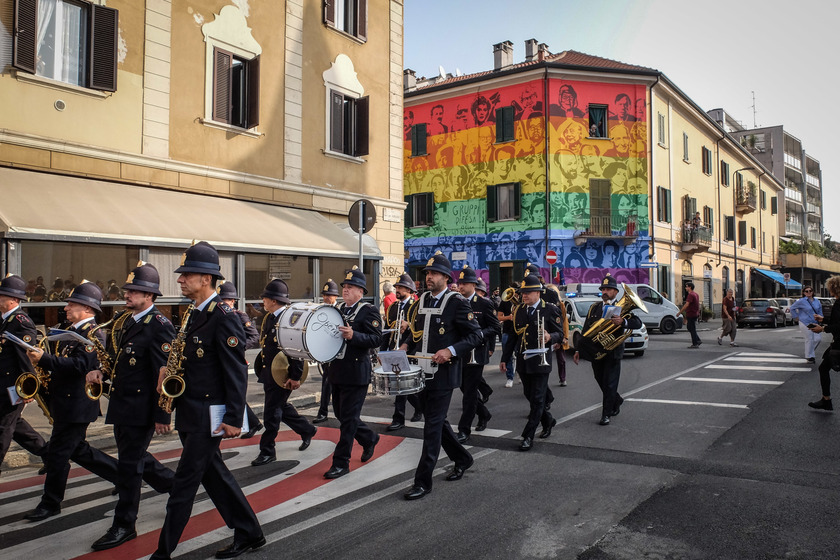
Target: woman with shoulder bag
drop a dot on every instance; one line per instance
(729, 319)
(831, 357)
(808, 310)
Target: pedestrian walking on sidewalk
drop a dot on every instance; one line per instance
(691, 311)
(730, 324)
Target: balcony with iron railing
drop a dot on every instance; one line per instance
(745, 199)
(615, 224)
(695, 239)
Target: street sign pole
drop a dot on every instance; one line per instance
(361, 230)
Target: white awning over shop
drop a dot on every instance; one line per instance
(53, 207)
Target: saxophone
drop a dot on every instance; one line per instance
(106, 365)
(173, 383)
(32, 385)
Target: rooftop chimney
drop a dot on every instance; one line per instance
(502, 55)
(409, 80)
(543, 52)
(530, 50)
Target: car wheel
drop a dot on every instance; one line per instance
(775, 323)
(668, 325)
(639, 354)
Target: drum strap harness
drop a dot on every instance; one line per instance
(349, 320)
(427, 313)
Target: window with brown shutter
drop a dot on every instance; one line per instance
(362, 109)
(221, 85)
(349, 126)
(25, 35)
(104, 40)
(236, 89)
(347, 16)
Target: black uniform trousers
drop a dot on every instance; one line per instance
(607, 373)
(347, 404)
(68, 442)
(471, 377)
(399, 406)
(14, 427)
(135, 464)
(201, 463)
(253, 421)
(326, 393)
(277, 409)
(535, 386)
(436, 433)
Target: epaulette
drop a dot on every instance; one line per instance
(86, 326)
(162, 318)
(223, 306)
(25, 319)
(212, 306)
(147, 319)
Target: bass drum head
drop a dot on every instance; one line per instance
(323, 339)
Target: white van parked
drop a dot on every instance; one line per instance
(662, 314)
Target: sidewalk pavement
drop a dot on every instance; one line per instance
(101, 435)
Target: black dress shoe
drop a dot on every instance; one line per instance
(263, 460)
(482, 423)
(252, 432)
(114, 537)
(395, 426)
(336, 472)
(458, 472)
(485, 398)
(462, 437)
(368, 451)
(239, 548)
(321, 418)
(417, 417)
(617, 410)
(40, 513)
(822, 404)
(526, 444)
(604, 421)
(43, 469)
(416, 492)
(307, 441)
(547, 430)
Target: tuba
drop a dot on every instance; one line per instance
(173, 384)
(601, 338)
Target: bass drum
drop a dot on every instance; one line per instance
(403, 383)
(309, 331)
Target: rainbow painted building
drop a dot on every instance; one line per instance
(549, 154)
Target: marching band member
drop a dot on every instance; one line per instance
(227, 291)
(215, 373)
(441, 325)
(13, 362)
(350, 374)
(71, 409)
(485, 314)
(533, 374)
(404, 289)
(549, 296)
(608, 369)
(329, 295)
(139, 346)
(277, 406)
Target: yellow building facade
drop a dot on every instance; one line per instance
(130, 128)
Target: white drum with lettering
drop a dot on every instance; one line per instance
(309, 331)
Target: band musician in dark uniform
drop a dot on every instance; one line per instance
(138, 346)
(350, 373)
(277, 406)
(13, 362)
(548, 295)
(71, 409)
(227, 291)
(533, 374)
(215, 373)
(404, 289)
(485, 314)
(329, 295)
(441, 325)
(608, 369)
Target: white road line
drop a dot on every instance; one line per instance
(378, 420)
(718, 380)
(767, 354)
(774, 359)
(642, 388)
(693, 403)
(759, 368)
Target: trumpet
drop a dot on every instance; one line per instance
(541, 336)
(395, 336)
(173, 384)
(510, 295)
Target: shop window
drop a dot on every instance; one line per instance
(504, 202)
(68, 41)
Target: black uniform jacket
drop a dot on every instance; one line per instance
(455, 326)
(13, 360)
(270, 350)
(833, 325)
(215, 370)
(553, 321)
(595, 313)
(391, 323)
(485, 313)
(252, 335)
(354, 368)
(68, 366)
(550, 296)
(139, 350)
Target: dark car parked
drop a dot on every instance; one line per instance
(761, 311)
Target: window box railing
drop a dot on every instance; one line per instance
(617, 223)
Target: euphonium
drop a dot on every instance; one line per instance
(173, 384)
(510, 295)
(600, 338)
(30, 385)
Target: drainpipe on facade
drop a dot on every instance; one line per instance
(651, 216)
(547, 169)
(720, 209)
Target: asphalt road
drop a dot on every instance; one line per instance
(715, 455)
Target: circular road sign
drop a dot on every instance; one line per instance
(369, 217)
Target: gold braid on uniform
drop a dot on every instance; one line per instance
(520, 332)
(116, 330)
(416, 335)
(262, 328)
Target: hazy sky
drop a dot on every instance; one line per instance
(717, 52)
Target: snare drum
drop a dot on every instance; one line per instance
(403, 383)
(309, 331)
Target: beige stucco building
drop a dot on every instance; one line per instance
(130, 128)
